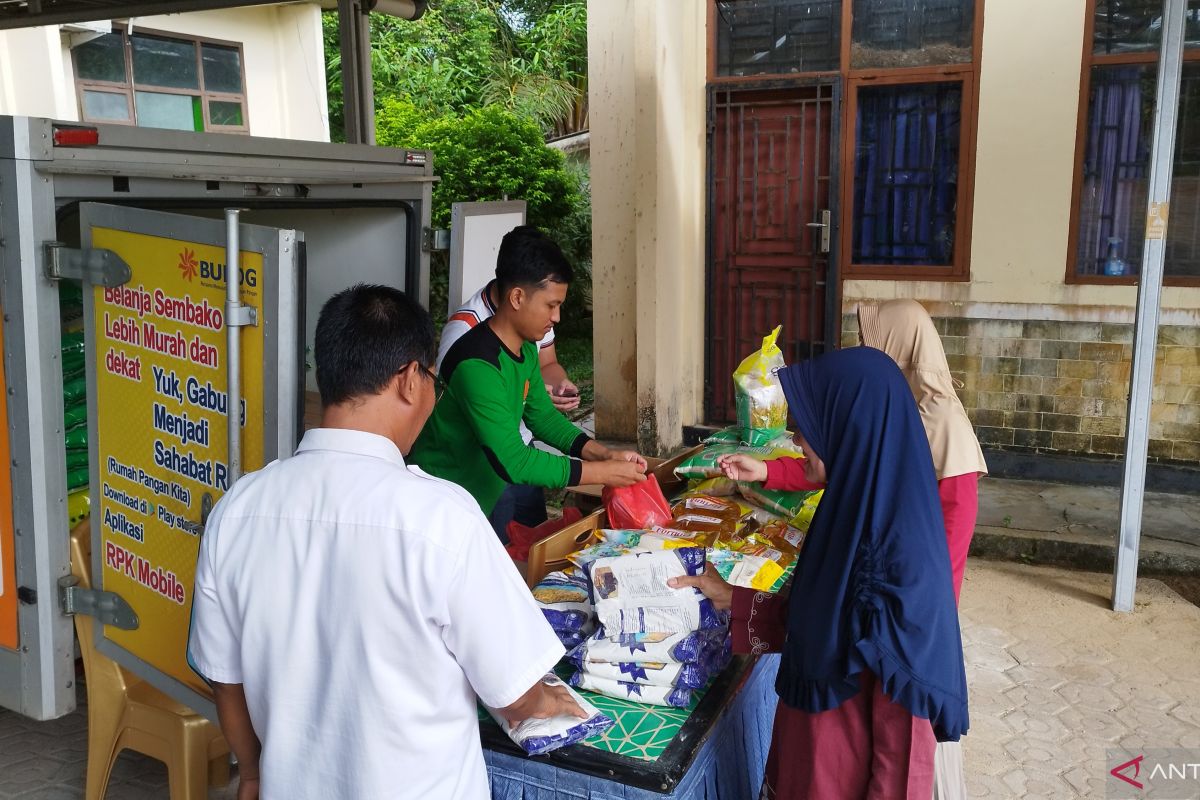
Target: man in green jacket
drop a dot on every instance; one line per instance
(492, 382)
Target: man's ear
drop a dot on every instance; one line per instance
(408, 383)
(516, 297)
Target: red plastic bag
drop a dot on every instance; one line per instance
(636, 507)
(522, 537)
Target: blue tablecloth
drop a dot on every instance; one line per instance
(729, 766)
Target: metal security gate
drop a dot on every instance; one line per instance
(772, 195)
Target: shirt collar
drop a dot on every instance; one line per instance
(344, 440)
(487, 296)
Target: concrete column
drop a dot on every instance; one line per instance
(647, 75)
(36, 77)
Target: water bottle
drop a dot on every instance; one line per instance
(1113, 263)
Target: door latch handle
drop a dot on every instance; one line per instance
(824, 225)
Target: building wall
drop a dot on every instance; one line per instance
(647, 100)
(1025, 163)
(285, 66)
(1045, 365)
(1039, 386)
(35, 80)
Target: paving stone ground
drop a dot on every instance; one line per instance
(48, 761)
(1056, 679)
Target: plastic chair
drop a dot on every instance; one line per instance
(126, 712)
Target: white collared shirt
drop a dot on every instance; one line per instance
(363, 605)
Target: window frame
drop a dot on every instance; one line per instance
(959, 268)
(852, 80)
(129, 87)
(1092, 59)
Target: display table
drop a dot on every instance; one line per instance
(714, 750)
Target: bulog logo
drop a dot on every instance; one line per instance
(190, 267)
(187, 264)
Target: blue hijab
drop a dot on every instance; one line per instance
(872, 589)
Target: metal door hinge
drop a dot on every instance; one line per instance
(435, 240)
(241, 316)
(98, 266)
(108, 607)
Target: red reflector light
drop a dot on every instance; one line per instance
(76, 137)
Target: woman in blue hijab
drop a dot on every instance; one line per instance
(872, 669)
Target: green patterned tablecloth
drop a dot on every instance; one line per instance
(641, 731)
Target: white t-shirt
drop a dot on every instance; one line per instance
(470, 314)
(363, 605)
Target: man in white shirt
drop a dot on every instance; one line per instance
(349, 609)
(520, 503)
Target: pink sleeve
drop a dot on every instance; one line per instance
(758, 621)
(787, 474)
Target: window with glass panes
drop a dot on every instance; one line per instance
(160, 81)
(1116, 126)
(909, 68)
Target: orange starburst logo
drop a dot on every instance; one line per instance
(187, 264)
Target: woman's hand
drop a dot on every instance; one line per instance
(710, 584)
(742, 468)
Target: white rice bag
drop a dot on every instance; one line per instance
(538, 736)
(687, 676)
(637, 648)
(637, 692)
(632, 595)
(566, 603)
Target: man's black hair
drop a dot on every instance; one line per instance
(528, 258)
(365, 335)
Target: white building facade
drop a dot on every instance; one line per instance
(256, 70)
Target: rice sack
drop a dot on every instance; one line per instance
(676, 697)
(566, 604)
(636, 648)
(632, 596)
(539, 736)
(650, 673)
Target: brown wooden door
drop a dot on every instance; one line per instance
(771, 173)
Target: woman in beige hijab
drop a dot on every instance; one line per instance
(903, 330)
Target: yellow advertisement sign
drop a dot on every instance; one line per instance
(161, 409)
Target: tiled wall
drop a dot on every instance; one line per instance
(1062, 387)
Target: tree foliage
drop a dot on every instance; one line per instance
(529, 57)
(481, 83)
(486, 154)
